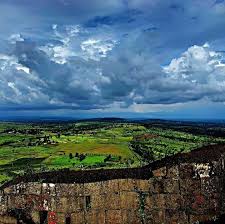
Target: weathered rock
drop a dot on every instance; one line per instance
(182, 189)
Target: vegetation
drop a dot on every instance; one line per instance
(34, 147)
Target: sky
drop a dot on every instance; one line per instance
(124, 58)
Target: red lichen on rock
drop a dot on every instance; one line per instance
(52, 218)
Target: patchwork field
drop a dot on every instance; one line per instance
(35, 147)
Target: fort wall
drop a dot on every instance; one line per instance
(186, 188)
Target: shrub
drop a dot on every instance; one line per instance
(108, 158)
(77, 154)
(70, 155)
(82, 157)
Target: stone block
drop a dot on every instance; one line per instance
(129, 200)
(161, 172)
(35, 216)
(217, 168)
(97, 201)
(33, 188)
(112, 201)
(201, 218)
(156, 185)
(95, 217)
(54, 204)
(78, 218)
(3, 205)
(91, 217)
(156, 201)
(174, 216)
(172, 172)
(3, 208)
(148, 218)
(142, 185)
(34, 201)
(134, 217)
(92, 188)
(210, 185)
(69, 190)
(75, 203)
(113, 217)
(60, 218)
(190, 186)
(171, 186)
(174, 201)
(101, 217)
(62, 204)
(112, 186)
(16, 189)
(48, 189)
(186, 170)
(156, 216)
(9, 190)
(70, 204)
(127, 185)
(199, 204)
(215, 202)
(125, 216)
(7, 220)
(17, 201)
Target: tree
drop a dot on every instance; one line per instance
(108, 158)
(77, 154)
(82, 157)
(70, 155)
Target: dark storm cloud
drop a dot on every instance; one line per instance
(92, 54)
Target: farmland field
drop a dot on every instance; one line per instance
(36, 147)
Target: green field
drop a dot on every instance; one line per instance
(37, 147)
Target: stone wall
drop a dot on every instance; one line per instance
(183, 189)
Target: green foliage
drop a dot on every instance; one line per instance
(159, 143)
(40, 147)
(4, 178)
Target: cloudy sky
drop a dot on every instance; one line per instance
(142, 58)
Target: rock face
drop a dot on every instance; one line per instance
(186, 188)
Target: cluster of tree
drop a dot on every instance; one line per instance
(144, 150)
(81, 156)
(44, 140)
(71, 129)
(195, 128)
(22, 131)
(108, 158)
